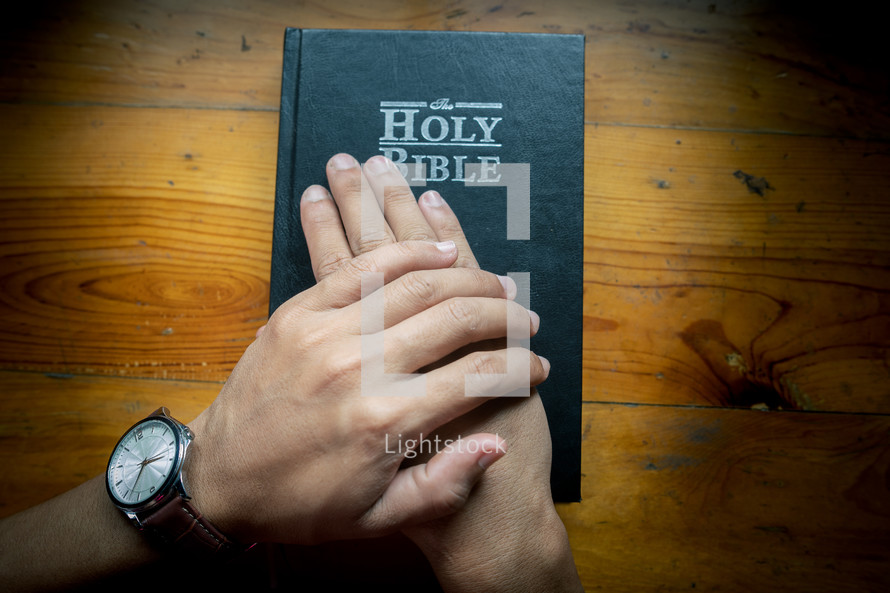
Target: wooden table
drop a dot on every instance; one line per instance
(737, 242)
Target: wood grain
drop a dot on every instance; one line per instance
(736, 255)
(751, 65)
(134, 242)
(57, 431)
(137, 243)
(737, 269)
(731, 500)
(735, 500)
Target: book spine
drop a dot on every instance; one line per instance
(286, 198)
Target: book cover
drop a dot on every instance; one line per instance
(495, 123)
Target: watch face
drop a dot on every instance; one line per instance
(144, 462)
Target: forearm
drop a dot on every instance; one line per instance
(74, 538)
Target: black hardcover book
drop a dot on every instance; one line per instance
(495, 123)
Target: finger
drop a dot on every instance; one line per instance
(451, 325)
(437, 488)
(328, 247)
(399, 206)
(344, 287)
(362, 215)
(456, 388)
(418, 291)
(495, 344)
(444, 223)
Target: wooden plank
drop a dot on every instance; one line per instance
(742, 65)
(736, 269)
(110, 269)
(731, 500)
(735, 499)
(755, 66)
(57, 431)
(134, 241)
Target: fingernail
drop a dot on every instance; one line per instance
(536, 320)
(498, 450)
(546, 365)
(432, 198)
(509, 287)
(343, 161)
(378, 165)
(315, 193)
(446, 246)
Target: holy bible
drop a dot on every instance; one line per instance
(495, 123)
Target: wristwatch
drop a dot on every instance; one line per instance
(144, 480)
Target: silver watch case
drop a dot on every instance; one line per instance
(173, 485)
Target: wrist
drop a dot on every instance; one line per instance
(542, 562)
(513, 553)
(200, 482)
(147, 479)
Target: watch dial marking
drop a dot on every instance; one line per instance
(139, 469)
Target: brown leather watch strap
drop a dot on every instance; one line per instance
(178, 523)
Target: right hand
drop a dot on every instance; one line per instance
(291, 451)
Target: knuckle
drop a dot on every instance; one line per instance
(288, 328)
(420, 287)
(359, 265)
(283, 322)
(399, 194)
(417, 233)
(487, 279)
(504, 371)
(453, 499)
(372, 420)
(462, 315)
(330, 263)
(518, 321)
(466, 260)
(371, 243)
(343, 366)
(485, 363)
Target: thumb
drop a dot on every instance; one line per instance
(434, 489)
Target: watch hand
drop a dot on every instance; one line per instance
(139, 475)
(142, 465)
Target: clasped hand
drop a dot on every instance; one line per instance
(292, 451)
